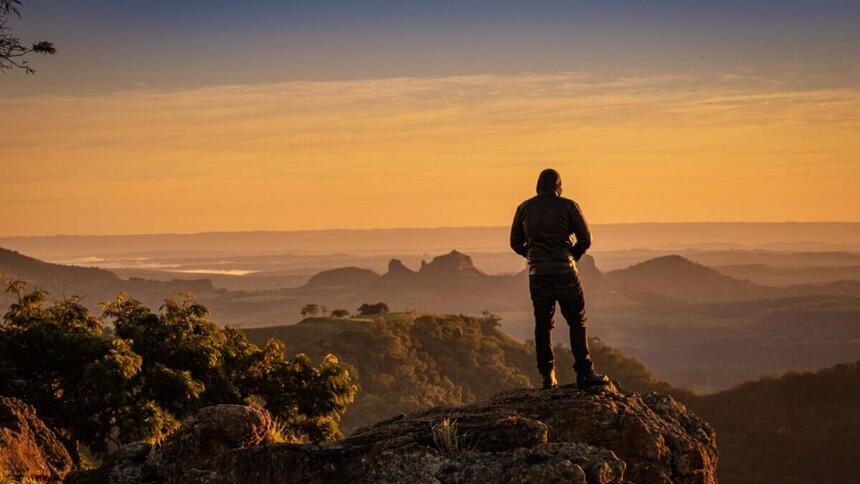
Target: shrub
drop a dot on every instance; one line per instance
(157, 368)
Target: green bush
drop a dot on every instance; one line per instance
(138, 383)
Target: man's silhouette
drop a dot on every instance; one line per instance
(541, 233)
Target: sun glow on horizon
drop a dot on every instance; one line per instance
(449, 151)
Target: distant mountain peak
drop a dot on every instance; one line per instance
(343, 276)
(452, 262)
(672, 264)
(395, 266)
(586, 263)
(670, 259)
(681, 278)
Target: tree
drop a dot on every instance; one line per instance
(490, 321)
(157, 370)
(372, 309)
(340, 313)
(13, 52)
(312, 310)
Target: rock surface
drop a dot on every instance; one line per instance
(191, 454)
(541, 436)
(28, 447)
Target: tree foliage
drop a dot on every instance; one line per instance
(156, 369)
(411, 361)
(313, 310)
(372, 309)
(795, 428)
(14, 52)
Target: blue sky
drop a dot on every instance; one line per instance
(116, 45)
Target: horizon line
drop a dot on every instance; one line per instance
(389, 229)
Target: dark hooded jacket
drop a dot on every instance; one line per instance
(543, 226)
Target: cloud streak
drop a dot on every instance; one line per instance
(426, 152)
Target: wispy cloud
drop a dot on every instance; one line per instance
(424, 151)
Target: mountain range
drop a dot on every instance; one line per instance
(685, 321)
(689, 323)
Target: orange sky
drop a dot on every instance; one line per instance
(450, 151)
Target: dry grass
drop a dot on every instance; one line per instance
(448, 438)
(8, 480)
(279, 434)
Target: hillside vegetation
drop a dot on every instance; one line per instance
(797, 428)
(409, 361)
(792, 429)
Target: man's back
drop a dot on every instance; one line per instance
(541, 232)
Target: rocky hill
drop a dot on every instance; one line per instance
(525, 436)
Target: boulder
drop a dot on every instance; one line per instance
(28, 447)
(190, 454)
(600, 436)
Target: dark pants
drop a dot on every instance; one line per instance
(565, 289)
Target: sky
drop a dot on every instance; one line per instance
(280, 115)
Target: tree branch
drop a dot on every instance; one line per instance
(11, 47)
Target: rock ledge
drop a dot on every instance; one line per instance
(564, 435)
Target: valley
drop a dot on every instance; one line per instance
(690, 324)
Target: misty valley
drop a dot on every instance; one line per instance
(751, 339)
(701, 321)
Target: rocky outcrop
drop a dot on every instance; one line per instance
(190, 455)
(397, 269)
(543, 436)
(450, 264)
(28, 447)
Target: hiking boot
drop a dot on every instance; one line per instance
(592, 379)
(549, 380)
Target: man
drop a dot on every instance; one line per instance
(541, 233)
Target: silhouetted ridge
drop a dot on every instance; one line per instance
(53, 277)
(93, 284)
(343, 277)
(396, 267)
(681, 278)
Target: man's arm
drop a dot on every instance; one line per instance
(579, 228)
(518, 235)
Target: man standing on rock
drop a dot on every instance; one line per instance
(541, 233)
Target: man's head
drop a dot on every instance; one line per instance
(549, 181)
